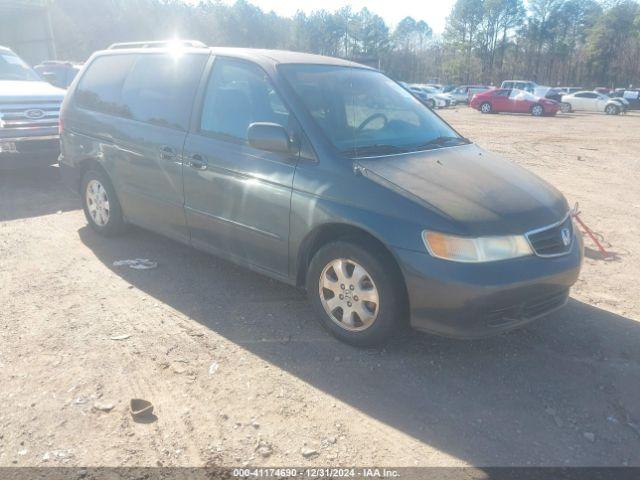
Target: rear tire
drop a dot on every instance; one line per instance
(486, 107)
(537, 110)
(431, 104)
(100, 204)
(342, 270)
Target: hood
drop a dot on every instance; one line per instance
(478, 192)
(11, 90)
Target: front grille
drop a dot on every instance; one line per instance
(23, 116)
(554, 240)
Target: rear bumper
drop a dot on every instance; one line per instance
(24, 152)
(479, 300)
(70, 175)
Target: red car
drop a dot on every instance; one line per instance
(513, 101)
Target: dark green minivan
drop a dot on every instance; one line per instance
(321, 173)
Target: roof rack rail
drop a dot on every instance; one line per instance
(158, 44)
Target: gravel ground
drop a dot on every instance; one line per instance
(240, 373)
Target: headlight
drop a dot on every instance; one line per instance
(475, 250)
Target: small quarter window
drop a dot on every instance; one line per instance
(101, 85)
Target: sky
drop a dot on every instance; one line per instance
(434, 12)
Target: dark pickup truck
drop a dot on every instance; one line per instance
(29, 111)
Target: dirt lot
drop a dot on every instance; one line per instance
(240, 372)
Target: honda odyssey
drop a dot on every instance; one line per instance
(321, 173)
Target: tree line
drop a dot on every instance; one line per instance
(554, 42)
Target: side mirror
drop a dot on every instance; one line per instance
(268, 136)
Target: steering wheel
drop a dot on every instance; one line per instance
(371, 118)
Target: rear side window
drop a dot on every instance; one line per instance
(101, 85)
(156, 89)
(160, 89)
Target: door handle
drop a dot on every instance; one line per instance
(198, 162)
(167, 153)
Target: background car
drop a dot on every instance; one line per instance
(513, 101)
(632, 96)
(57, 73)
(423, 96)
(464, 93)
(29, 109)
(556, 93)
(586, 101)
(437, 94)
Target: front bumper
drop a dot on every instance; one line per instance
(464, 300)
(21, 152)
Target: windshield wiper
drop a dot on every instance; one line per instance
(375, 149)
(442, 141)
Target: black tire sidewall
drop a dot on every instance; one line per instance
(391, 309)
(115, 224)
(538, 108)
(490, 107)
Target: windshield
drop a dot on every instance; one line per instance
(364, 113)
(13, 67)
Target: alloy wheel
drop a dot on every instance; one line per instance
(97, 202)
(349, 295)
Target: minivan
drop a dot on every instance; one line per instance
(321, 173)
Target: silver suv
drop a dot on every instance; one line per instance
(29, 110)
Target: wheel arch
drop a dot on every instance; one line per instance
(330, 232)
(84, 166)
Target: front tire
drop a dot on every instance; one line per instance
(356, 293)
(431, 104)
(612, 110)
(486, 107)
(537, 110)
(100, 203)
(565, 107)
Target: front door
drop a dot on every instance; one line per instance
(581, 101)
(501, 101)
(237, 198)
